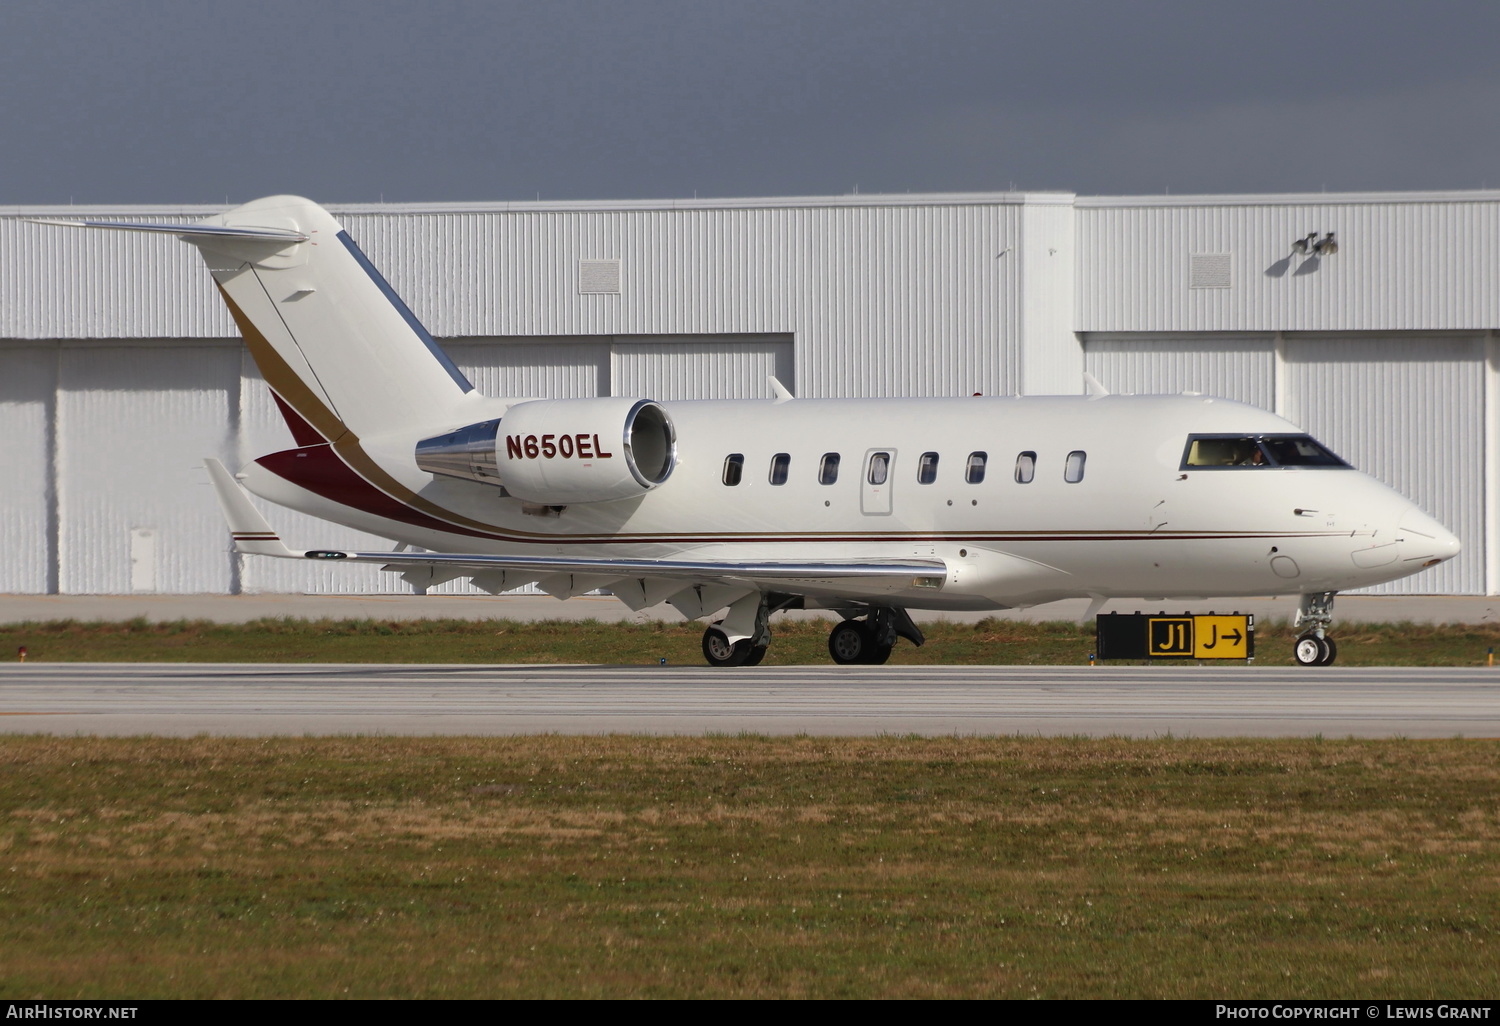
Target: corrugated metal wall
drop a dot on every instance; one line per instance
(701, 368)
(1410, 412)
(1403, 264)
(133, 425)
(563, 368)
(28, 392)
(69, 283)
(1240, 367)
(885, 295)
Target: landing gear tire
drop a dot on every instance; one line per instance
(756, 655)
(1312, 650)
(879, 654)
(850, 643)
(719, 651)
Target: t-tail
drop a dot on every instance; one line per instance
(345, 357)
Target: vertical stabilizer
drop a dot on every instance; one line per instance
(332, 339)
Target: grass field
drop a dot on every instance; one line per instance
(748, 866)
(796, 642)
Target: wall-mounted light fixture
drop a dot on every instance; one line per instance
(1312, 245)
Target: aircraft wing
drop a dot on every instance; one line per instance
(636, 582)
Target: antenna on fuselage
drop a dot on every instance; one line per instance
(780, 391)
(1092, 388)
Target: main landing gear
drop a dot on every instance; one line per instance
(866, 641)
(1314, 647)
(719, 651)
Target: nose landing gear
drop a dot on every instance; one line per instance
(1314, 647)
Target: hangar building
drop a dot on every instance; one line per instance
(120, 368)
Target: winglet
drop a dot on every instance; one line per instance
(249, 529)
(1092, 388)
(782, 393)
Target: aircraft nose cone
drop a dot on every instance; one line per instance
(1424, 541)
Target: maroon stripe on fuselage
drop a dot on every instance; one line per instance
(319, 469)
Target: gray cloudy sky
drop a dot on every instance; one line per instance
(167, 102)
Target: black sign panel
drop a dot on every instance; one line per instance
(1188, 636)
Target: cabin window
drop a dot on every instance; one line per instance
(974, 469)
(828, 469)
(1219, 452)
(927, 468)
(734, 468)
(780, 463)
(1073, 472)
(1025, 467)
(880, 467)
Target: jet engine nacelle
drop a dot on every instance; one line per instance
(556, 452)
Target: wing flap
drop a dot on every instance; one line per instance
(776, 574)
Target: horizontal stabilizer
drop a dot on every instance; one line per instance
(187, 231)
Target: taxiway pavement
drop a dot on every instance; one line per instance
(302, 699)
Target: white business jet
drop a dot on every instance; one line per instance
(865, 507)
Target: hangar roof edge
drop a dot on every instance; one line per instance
(852, 200)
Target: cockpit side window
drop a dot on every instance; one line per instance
(1249, 452)
(1300, 451)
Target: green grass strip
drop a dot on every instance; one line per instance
(795, 642)
(748, 867)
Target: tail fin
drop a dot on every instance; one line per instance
(331, 337)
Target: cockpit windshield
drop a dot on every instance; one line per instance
(1222, 452)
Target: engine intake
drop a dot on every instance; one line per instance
(561, 451)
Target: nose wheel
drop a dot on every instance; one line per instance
(1312, 650)
(1314, 647)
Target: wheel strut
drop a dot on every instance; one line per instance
(1315, 613)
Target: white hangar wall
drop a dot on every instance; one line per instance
(1385, 349)
(119, 366)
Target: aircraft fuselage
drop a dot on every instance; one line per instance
(1136, 522)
